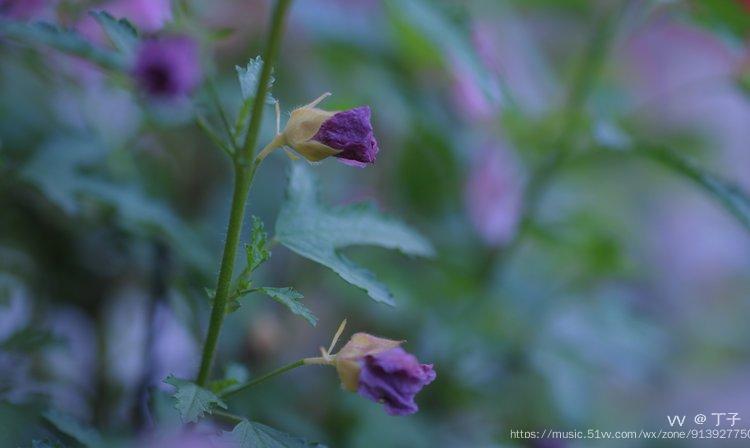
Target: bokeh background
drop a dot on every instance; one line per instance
(601, 291)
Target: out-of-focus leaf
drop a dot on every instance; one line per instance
(255, 435)
(729, 195)
(121, 32)
(317, 232)
(28, 339)
(428, 174)
(193, 401)
(256, 251)
(87, 436)
(46, 444)
(726, 15)
(249, 76)
(290, 299)
(61, 39)
(57, 169)
(425, 18)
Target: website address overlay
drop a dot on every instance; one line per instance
(661, 434)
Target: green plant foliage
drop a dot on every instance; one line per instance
(257, 252)
(248, 77)
(318, 232)
(57, 169)
(64, 40)
(121, 32)
(255, 435)
(290, 299)
(731, 196)
(28, 339)
(46, 444)
(193, 401)
(64, 423)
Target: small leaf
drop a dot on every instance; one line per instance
(256, 251)
(318, 233)
(255, 435)
(193, 401)
(727, 194)
(249, 76)
(122, 33)
(87, 436)
(290, 298)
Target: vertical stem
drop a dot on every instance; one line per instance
(244, 171)
(269, 56)
(242, 181)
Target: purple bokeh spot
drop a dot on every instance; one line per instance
(394, 377)
(22, 9)
(168, 68)
(351, 133)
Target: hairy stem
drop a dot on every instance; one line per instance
(269, 375)
(244, 172)
(242, 181)
(269, 56)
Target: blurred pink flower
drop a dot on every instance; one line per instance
(494, 193)
(467, 93)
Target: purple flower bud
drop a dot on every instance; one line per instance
(317, 134)
(351, 133)
(167, 68)
(394, 377)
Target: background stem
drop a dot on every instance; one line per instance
(583, 82)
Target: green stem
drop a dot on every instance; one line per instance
(227, 416)
(260, 379)
(244, 172)
(242, 181)
(269, 56)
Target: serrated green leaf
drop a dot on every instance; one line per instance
(249, 76)
(121, 32)
(64, 40)
(256, 251)
(87, 436)
(290, 298)
(731, 196)
(193, 401)
(256, 435)
(317, 232)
